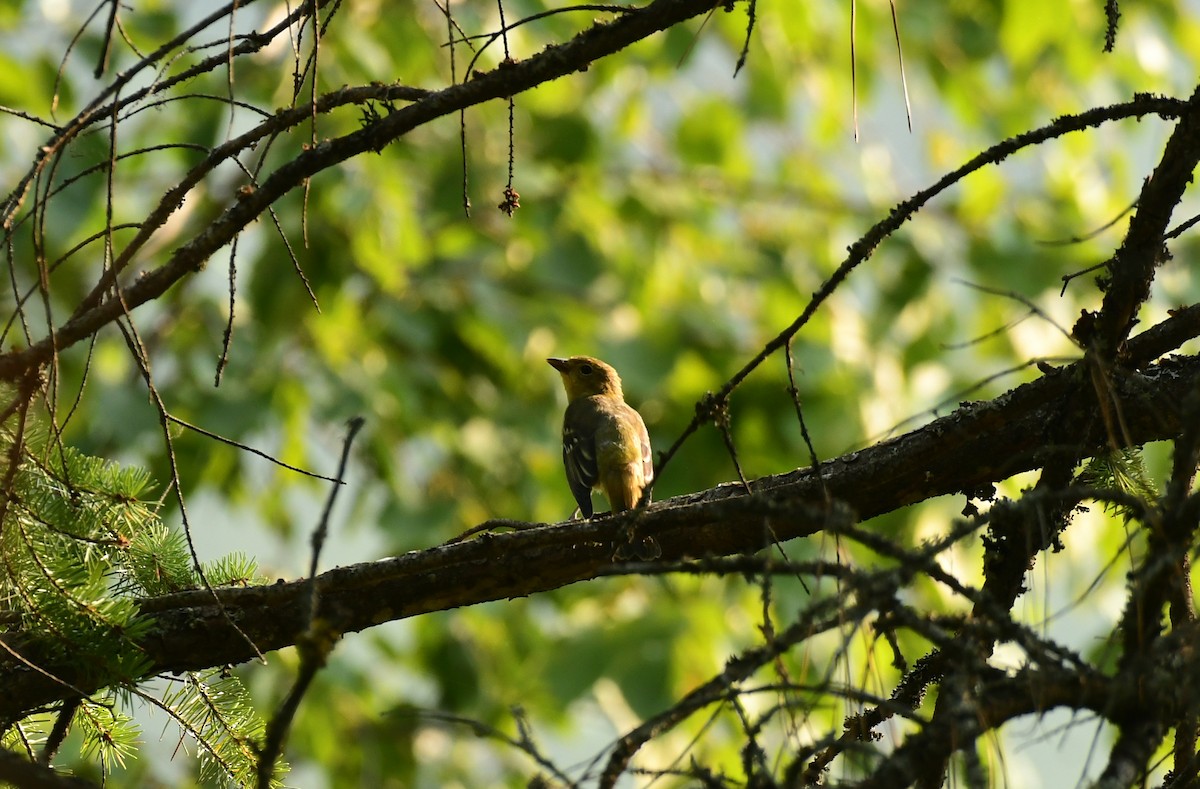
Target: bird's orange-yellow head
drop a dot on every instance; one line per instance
(584, 376)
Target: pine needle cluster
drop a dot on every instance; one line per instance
(80, 546)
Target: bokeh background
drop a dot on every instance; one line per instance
(674, 217)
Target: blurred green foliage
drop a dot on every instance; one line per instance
(673, 219)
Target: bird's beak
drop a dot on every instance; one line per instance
(558, 364)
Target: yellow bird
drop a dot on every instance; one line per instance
(605, 443)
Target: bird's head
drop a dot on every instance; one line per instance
(584, 376)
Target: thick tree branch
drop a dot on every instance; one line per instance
(980, 443)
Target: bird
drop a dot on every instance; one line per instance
(605, 443)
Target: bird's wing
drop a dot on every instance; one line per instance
(579, 457)
(644, 440)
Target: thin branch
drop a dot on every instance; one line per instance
(318, 639)
(17, 771)
(552, 62)
(865, 246)
(247, 448)
(1131, 269)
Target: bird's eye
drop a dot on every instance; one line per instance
(585, 369)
